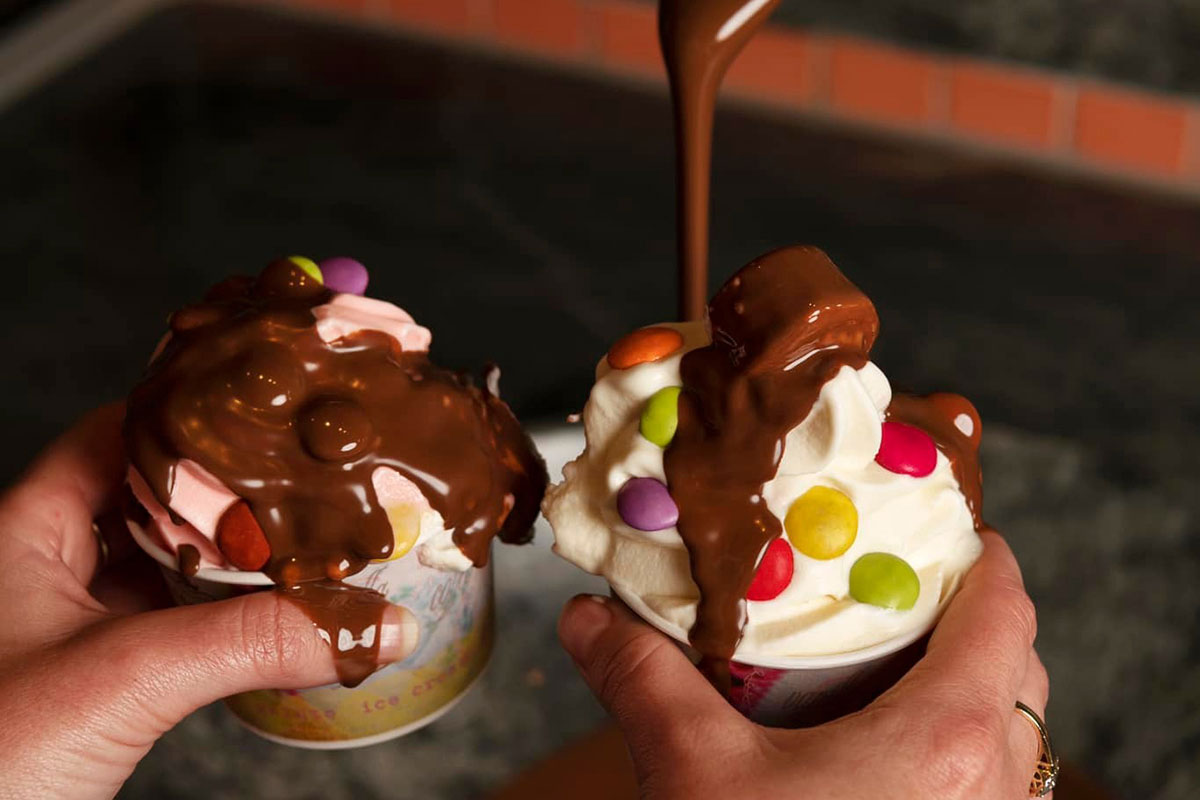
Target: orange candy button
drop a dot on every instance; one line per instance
(644, 345)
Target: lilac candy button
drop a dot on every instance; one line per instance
(645, 504)
(344, 275)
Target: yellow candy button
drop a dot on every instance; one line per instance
(822, 523)
(406, 527)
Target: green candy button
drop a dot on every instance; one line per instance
(660, 417)
(884, 580)
(308, 266)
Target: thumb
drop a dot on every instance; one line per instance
(166, 664)
(659, 699)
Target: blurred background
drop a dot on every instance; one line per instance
(1015, 183)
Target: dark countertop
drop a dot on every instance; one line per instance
(526, 216)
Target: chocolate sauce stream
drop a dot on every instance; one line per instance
(781, 327)
(699, 40)
(296, 426)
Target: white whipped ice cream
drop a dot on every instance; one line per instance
(923, 520)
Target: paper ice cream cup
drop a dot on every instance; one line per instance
(455, 611)
(804, 691)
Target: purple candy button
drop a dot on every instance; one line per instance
(645, 504)
(344, 275)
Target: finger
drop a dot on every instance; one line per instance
(131, 586)
(659, 699)
(165, 664)
(976, 655)
(112, 527)
(51, 507)
(1025, 744)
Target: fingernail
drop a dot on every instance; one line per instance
(583, 620)
(399, 633)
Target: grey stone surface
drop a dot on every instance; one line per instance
(526, 217)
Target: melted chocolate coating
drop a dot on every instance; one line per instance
(699, 40)
(296, 426)
(781, 327)
(189, 560)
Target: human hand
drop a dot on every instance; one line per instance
(947, 729)
(90, 674)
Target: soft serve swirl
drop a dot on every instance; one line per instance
(782, 315)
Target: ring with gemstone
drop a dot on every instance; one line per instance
(1045, 775)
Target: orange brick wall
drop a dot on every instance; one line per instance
(1024, 110)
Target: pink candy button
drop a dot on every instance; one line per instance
(906, 450)
(774, 572)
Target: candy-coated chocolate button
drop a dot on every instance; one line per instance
(308, 266)
(288, 277)
(241, 540)
(643, 345)
(660, 417)
(884, 580)
(906, 450)
(406, 528)
(645, 504)
(774, 572)
(266, 377)
(822, 523)
(332, 429)
(344, 275)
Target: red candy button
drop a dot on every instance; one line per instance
(241, 540)
(906, 450)
(645, 344)
(774, 572)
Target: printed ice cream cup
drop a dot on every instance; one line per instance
(291, 431)
(455, 611)
(805, 691)
(752, 486)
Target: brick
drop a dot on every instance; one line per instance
(628, 36)
(551, 27)
(443, 16)
(1130, 129)
(774, 66)
(1003, 105)
(881, 83)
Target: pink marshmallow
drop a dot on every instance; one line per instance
(349, 313)
(175, 536)
(393, 489)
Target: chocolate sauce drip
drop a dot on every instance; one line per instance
(940, 415)
(699, 40)
(349, 620)
(189, 560)
(781, 327)
(296, 426)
